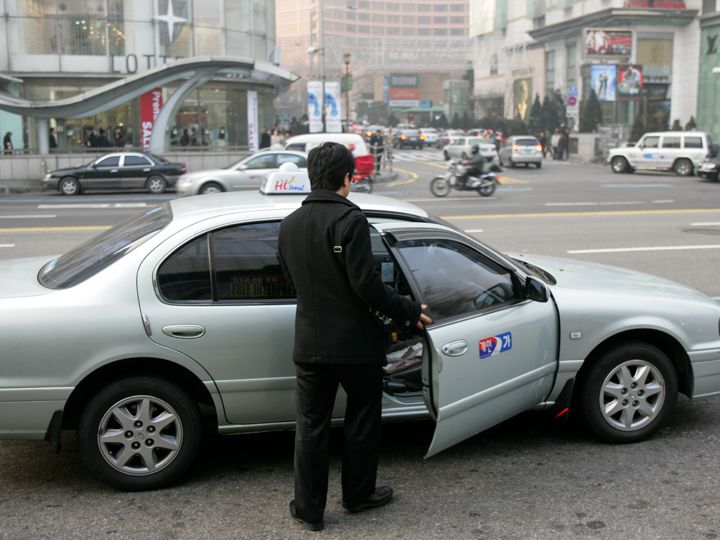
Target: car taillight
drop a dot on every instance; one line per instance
(403, 137)
(516, 147)
(538, 147)
(364, 163)
(183, 170)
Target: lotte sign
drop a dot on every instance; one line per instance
(150, 105)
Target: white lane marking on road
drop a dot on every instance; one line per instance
(473, 230)
(444, 199)
(649, 248)
(130, 205)
(705, 224)
(7, 245)
(30, 216)
(634, 186)
(664, 201)
(571, 204)
(70, 206)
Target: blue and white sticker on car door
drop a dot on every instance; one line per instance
(491, 346)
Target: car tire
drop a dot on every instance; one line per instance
(446, 155)
(211, 187)
(156, 185)
(527, 165)
(683, 167)
(628, 393)
(512, 164)
(69, 186)
(619, 165)
(538, 164)
(123, 411)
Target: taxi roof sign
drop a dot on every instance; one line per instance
(286, 183)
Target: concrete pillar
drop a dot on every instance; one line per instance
(43, 132)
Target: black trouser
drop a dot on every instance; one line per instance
(316, 386)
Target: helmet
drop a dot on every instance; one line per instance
(474, 149)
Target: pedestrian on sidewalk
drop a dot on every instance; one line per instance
(7, 143)
(324, 249)
(377, 144)
(555, 143)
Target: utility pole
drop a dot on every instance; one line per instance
(346, 57)
(321, 40)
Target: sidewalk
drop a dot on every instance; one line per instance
(19, 186)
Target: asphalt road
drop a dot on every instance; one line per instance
(527, 477)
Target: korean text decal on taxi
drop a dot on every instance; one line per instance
(495, 345)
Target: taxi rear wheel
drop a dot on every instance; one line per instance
(628, 393)
(140, 433)
(619, 165)
(211, 187)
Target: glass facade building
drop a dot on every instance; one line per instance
(60, 48)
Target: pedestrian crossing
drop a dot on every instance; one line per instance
(428, 154)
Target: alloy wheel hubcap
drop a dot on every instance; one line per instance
(156, 185)
(140, 435)
(211, 189)
(69, 187)
(632, 395)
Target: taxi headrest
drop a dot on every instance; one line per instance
(286, 183)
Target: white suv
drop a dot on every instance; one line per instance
(677, 151)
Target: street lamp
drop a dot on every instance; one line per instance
(313, 50)
(346, 58)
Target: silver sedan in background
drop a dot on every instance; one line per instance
(248, 173)
(521, 150)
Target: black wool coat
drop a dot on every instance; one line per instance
(336, 298)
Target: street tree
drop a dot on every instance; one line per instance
(638, 128)
(590, 113)
(361, 110)
(455, 124)
(549, 114)
(378, 113)
(535, 119)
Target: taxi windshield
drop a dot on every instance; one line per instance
(99, 252)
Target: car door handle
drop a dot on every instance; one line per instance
(455, 348)
(146, 170)
(114, 171)
(184, 331)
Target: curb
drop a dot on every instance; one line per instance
(383, 178)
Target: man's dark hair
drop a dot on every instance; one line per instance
(328, 164)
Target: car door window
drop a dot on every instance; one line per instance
(300, 161)
(651, 142)
(693, 142)
(185, 275)
(299, 147)
(671, 142)
(266, 161)
(108, 162)
(246, 264)
(455, 280)
(136, 161)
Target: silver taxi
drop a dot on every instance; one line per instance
(181, 318)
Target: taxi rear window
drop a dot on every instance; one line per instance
(99, 252)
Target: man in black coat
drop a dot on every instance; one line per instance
(325, 250)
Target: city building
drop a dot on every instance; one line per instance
(709, 74)
(424, 39)
(640, 57)
(201, 57)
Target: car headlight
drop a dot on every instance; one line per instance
(48, 176)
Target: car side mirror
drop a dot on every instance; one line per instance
(535, 290)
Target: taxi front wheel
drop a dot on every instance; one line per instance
(140, 433)
(628, 393)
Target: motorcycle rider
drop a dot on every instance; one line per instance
(475, 166)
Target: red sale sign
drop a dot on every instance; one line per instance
(150, 105)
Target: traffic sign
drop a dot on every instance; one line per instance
(346, 83)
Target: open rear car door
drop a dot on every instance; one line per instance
(492, 353)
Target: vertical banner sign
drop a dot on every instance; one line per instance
(252, 121)
(150, 105)
(333, 107)
(314, 91)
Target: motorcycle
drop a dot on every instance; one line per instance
(485, 185)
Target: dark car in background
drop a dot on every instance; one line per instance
(115, 171)
(408, 137)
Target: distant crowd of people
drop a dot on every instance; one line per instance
(558, 146)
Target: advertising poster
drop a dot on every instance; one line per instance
(630, 82)
(404, 97)
(252, 121)
(608, 43)
(603, 79)
(333, 108)
(522, 90)
(150, 104)
(314, 91)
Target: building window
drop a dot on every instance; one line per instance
(408, 7)
(709, 6)
(549, 72)
(408, 31)
(393, 19)
(363, 29)
(440, 7)
(571, 73)
(457, 8)
(440, 20)
(392, 6)
(424, 7)
(440, 32)
(457, 20)
(494, 64)
(378, 18)
(457, 32)
(539, 22)
(424, 20)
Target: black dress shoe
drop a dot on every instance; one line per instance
(317, 526)
(380, 497)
